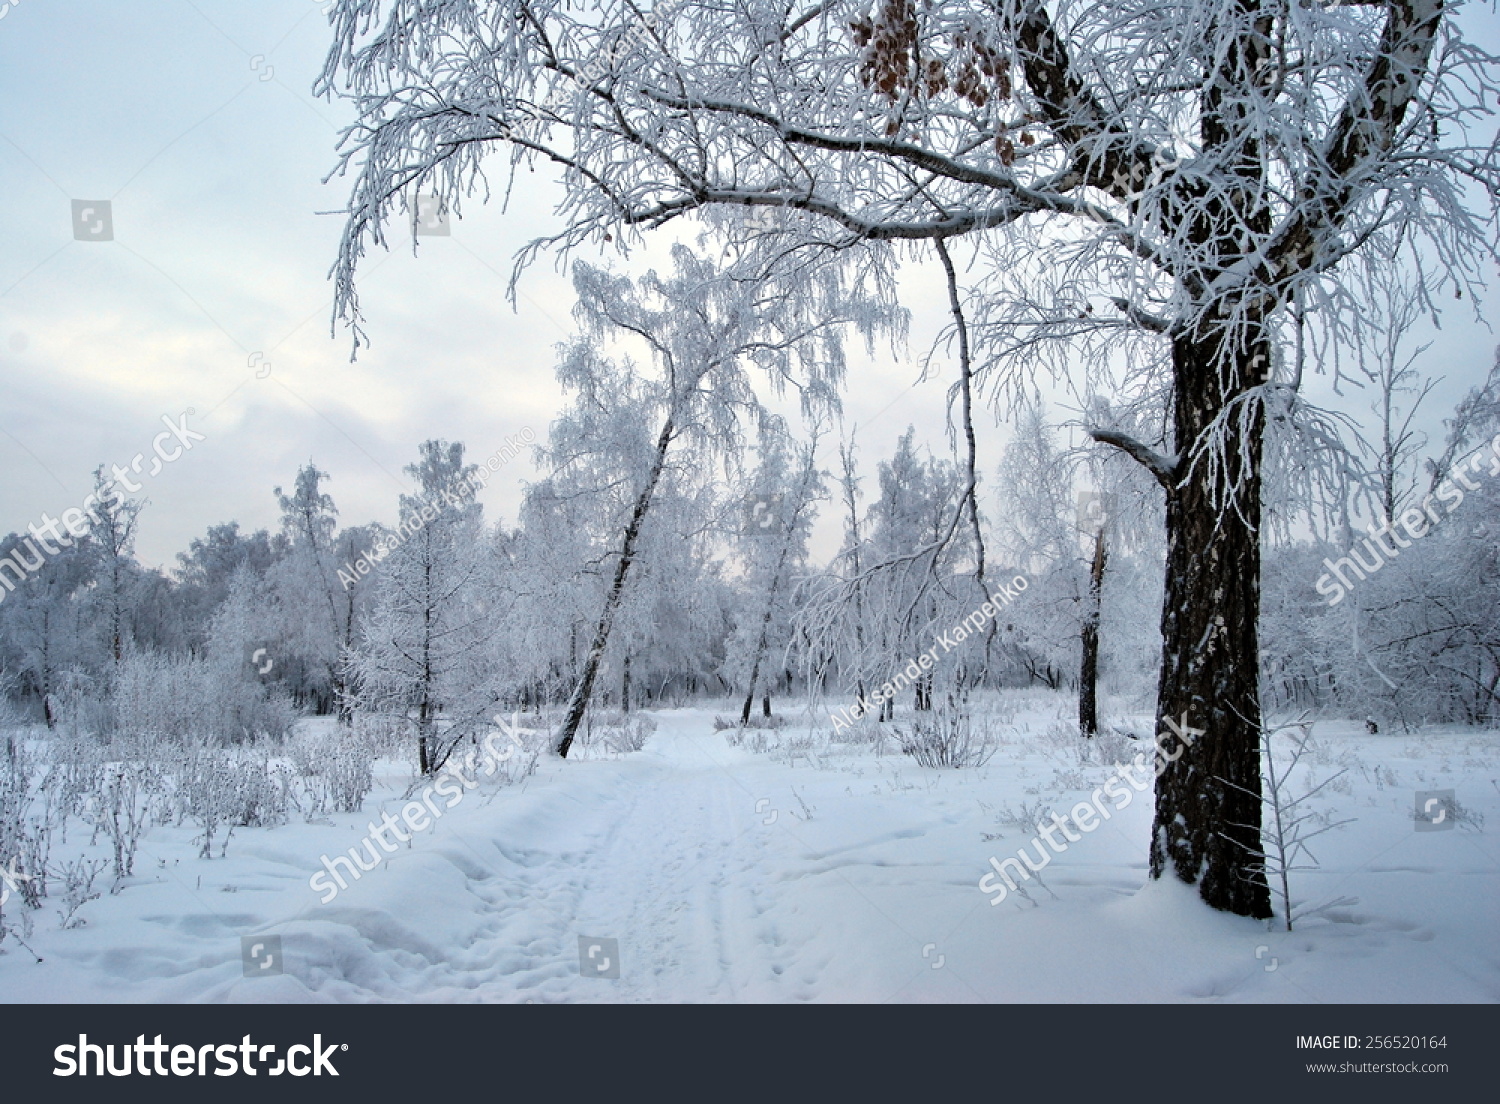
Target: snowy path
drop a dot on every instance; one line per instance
(702, 861)
(708, 888)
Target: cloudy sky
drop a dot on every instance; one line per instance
(193, 119)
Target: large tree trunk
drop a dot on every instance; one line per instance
(1208, 803)
(1088, 667)
(582, 690)
(1208, 809)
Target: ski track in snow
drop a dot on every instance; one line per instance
(699, 860)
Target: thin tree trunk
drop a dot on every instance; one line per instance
(776, 574)
(971, 450)
(1088, 667)
(579, 702)
(424, 707)
(47, 711)
(345, 705)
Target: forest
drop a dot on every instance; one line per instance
(1194, 478)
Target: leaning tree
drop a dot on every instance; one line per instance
(703, 326)
(1196, 165)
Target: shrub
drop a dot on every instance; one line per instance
(335, 771)
(167, 698)
(946, 739)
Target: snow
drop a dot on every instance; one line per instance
(701, 859)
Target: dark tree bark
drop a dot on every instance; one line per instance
(425, 704)
(1088, 667)
(1207, 828)
(1208, 808)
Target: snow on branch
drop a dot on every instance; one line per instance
(1163, 467)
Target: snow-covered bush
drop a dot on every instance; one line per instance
(757, 720)
(182, 699)
(76, 877)
(623, 734)
(946, 738)
(756, 740)
(261, 794)
(334, 770)
(1289, 822)
(1028, 819)
(388, 735)
(862, 731)
(127, 785)
(227, 788)
(24, 835)
(1109, 747)
(82, 704)
(204, 794)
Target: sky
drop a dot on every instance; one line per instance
(209, 304)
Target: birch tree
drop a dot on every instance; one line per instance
(703, 327)
(788, 480)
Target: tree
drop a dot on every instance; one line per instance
(40, 620)
(1036, 487)
(774, 541)
(902, 577)
(423, 655)
(112, 524)
(1421, 634)
(703, 326)
(323, 621)
(1189, 170)
(1394, 374)
(204, 571)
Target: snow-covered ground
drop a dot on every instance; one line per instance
(821, 873)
